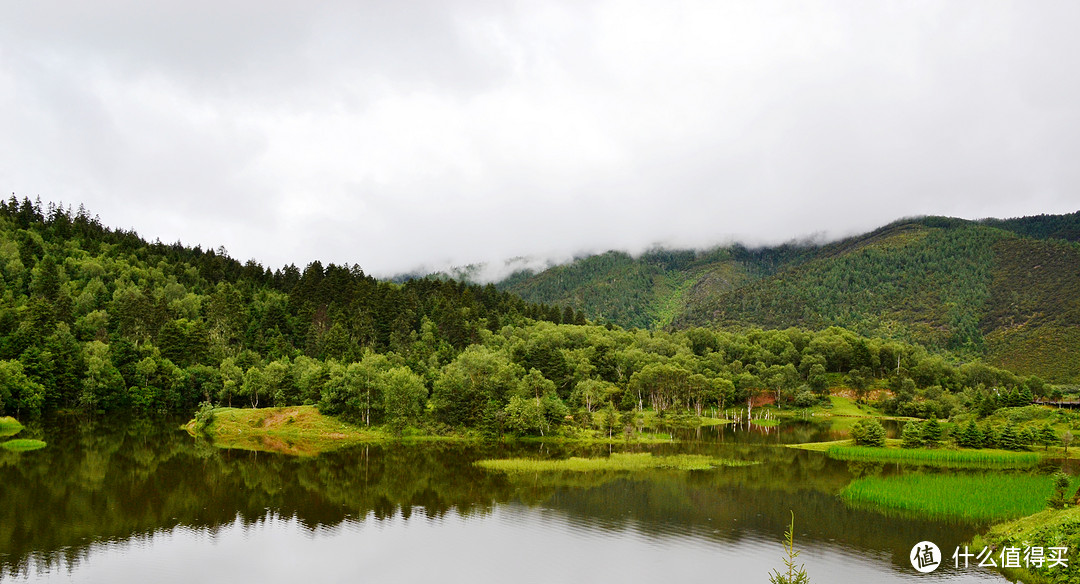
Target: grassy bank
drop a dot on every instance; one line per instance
(615, 462)
(974, 497)
(1046, 529)
(23, 445)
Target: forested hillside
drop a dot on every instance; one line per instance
(98, 320)
(1002, 289)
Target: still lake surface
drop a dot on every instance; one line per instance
(139, 501)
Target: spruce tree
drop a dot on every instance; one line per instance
(989, 436)
(1047, 436)
(911, 436)
(1009, 440)
(868, 432)
(1026, 397)
(931, 433)
(970, 436)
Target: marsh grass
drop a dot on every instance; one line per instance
(9, 426)
(615, 462)
(974, 497)
(23, 445)
(944, 457)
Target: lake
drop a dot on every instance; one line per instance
(140, 501)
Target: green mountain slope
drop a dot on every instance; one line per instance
(1007, 290)
(644, 292)
(1032, 320)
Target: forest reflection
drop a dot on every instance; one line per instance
(101, 482)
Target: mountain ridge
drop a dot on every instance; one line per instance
(963, 285)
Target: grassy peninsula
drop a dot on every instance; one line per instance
(9, 426)
(296, 430)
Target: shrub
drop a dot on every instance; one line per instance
(1061, 483)
(805, 399)
(204, 416)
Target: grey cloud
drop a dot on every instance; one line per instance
(396, 134)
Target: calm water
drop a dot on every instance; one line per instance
(142, 502)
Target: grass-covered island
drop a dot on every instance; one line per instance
(615, 462)
(23, 445)
(10, 427)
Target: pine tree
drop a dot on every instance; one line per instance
(911, 435)
(1047, 436)
(931, 433)
(868, 432)
(793, 575)
(1009, 440)
(1026, 397)
(989, 436)
(970, 436)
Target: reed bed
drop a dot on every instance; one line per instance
(974, 497)
(937, 457)
(615, 462)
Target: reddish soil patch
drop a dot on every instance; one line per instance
(281, 417)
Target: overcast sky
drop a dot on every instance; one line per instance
(404, 133)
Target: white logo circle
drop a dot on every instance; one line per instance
(925, 556)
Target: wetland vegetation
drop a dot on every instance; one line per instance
(614, 462)
(983, 496)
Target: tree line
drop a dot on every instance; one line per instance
(97, 319)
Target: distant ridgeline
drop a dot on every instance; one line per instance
(97, 319)
(1005, 290)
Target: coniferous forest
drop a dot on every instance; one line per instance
(97, 319)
